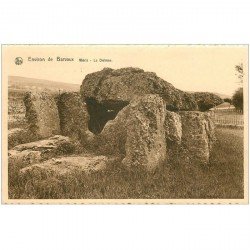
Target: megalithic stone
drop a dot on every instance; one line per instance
(73, 115)
(42, 115)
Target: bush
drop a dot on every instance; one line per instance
(238, 99)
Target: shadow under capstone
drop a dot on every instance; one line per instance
(101, 113)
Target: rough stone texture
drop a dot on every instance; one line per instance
(123, 85)
(173, 127)
(64, 166)
(210, 129)
(137, 133)
(146, 145)
(17, 136)
(73, 115)
(197, 138)
(20, 159)
(29, 153)
(113, 137)
(42, 115)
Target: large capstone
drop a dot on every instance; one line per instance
(74, 117)
(123, 85)
(42, 115)
(108, 91)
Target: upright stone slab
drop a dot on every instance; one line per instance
(197, 137)
(113, 137)
(137, 133)
(173, 128)
(42, 115)
(145, 145)
(73, 115)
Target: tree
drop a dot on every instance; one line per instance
(239, 73)
(238, 99)
(228, 100)
(206, 100)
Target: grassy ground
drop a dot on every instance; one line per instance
(222, 178)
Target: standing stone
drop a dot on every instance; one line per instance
(197, 137)
(137, 134)
(42, 115)
(73, 115)
(113, 137)
(210, 129)
(145, 145)
(173, 127)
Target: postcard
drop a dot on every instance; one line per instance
(125, 124)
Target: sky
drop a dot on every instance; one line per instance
(187, 67)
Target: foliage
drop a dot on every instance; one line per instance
(237, 99)
(206, 100)
(239, 73)
(228, 100)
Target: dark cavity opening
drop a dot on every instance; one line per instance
(101, 113)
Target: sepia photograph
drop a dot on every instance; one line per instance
(125, 124)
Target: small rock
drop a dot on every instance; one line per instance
(64, 166)
(25, 154)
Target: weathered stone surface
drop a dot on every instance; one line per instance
(173, 127)
(29, 153)
(42, 115)
(125, 84)
(137, 133)
(73, 115)
(17, 136)
(146, 145)
(64, 166)
(113, 137)
(210, 129)
(20, 159)
(197, 138)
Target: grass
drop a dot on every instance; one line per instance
(222, 178)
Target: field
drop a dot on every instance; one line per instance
(222, 178)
